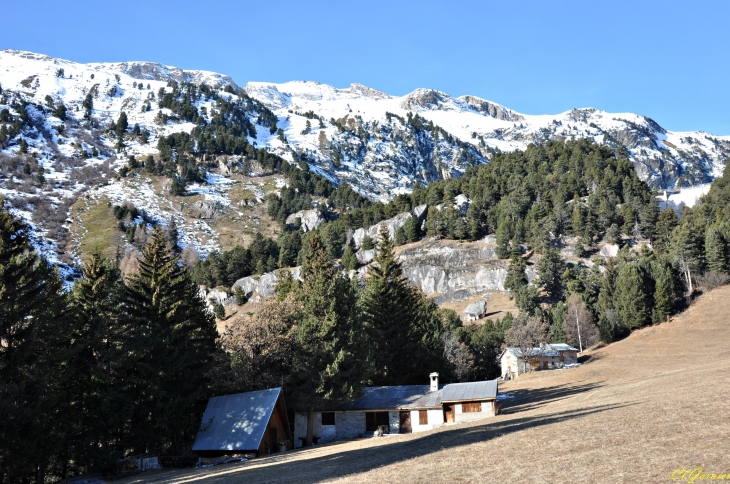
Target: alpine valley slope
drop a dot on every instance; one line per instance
(380, 144)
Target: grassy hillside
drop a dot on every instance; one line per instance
(635, 411)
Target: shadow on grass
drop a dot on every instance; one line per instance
(531, 399)
(289, 468)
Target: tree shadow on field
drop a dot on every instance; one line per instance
(531, 399)
(287, 468)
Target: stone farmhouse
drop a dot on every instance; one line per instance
(548, 357)
(401, 409)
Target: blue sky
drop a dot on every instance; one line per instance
(666, 60)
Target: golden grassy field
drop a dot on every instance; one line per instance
(635, 411)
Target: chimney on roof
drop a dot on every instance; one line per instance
(434, 381)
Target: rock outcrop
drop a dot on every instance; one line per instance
(392, 224)
(263, 285)
(448, 270)
(310, 219)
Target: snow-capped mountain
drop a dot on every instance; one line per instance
(663, 158)
(56, 142)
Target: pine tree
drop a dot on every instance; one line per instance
(715, 251)
(503, 238)
(367, 243)
(122, 124)
(34, 335)
(349, 260)
(174, 340)
(515, 275)
(666, 223)
(328, 365)
(550, 268)
(172, 235)
(390, 308)
(97, 351)
(686, 251)
(632, 302)
(664, 291)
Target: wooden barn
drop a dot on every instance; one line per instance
(243, 423)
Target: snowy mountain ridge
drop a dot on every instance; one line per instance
(380, 144)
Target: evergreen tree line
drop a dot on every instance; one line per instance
(326, 337)
(112, 368)
(124, 366)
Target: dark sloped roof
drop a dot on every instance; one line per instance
(403, 396)
(478, 390)
(236, 422)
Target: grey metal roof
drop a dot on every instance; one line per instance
(562, 347)
(236, 422)
(534, 352)
(403, 396)
(478, 390)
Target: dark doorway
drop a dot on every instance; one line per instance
(273, 441)
(373, 420)
(449, 416)
(405, 422)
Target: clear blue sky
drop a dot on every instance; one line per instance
(666, 60)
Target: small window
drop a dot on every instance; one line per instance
(468, 407)
(328, 418)
(423, 417)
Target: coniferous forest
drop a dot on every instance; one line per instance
(124, 365)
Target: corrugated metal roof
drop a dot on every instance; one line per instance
(534, 352)
(236, 422)
(562, 347)
(404, 396)
(478, 390)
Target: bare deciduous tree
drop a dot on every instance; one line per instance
(260, 347)
(578, 325)
(527, 334)
(458, 356)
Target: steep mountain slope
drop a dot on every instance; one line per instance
(59, 139)
(663, 158)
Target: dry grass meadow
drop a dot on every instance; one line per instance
(635, 411)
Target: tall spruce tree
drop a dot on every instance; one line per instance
(664, 291)
(715, 250)
(33, 332)
(550, 268)
(390, 309)
(632, 302)
(98, 406)
(329, 364)
(173, 337)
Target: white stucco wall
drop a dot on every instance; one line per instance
(460, 416)
(435, 419)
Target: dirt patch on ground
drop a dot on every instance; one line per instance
(635, 411)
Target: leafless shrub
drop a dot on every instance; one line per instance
(130, 263)
(578, 324)
(711, 280)
(458, 356)
(527, 334)
(189, 256)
